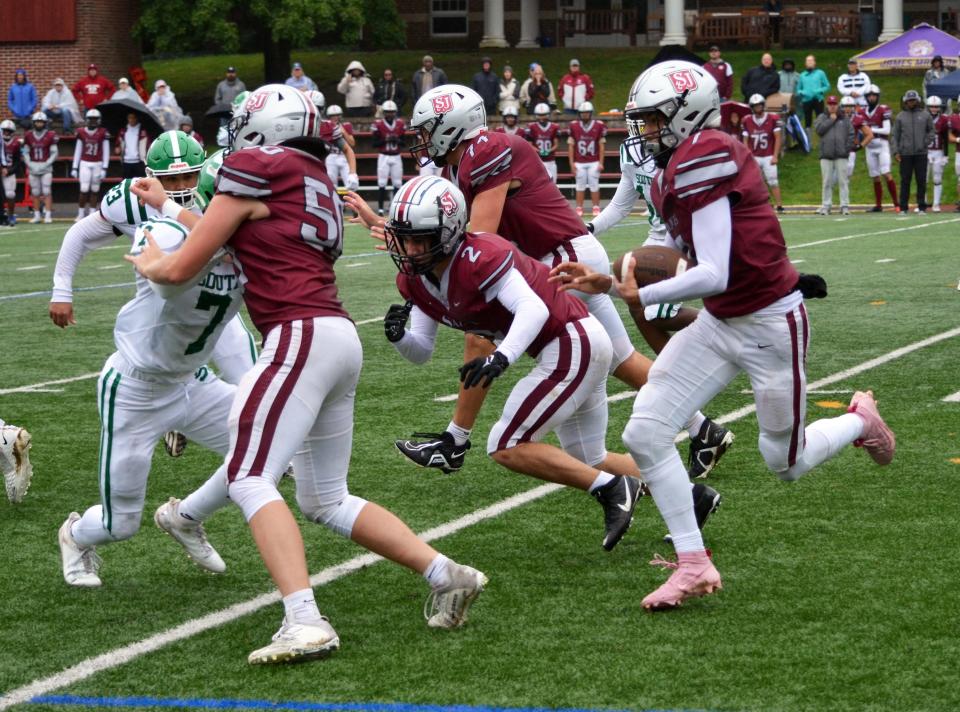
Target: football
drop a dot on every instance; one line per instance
(654, 264)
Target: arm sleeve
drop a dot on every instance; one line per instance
(77, 150)
(106, 152)
(82, 237)
(620, 206)
(529, 313)
(884, 130)
(419, 338)
(712, 234)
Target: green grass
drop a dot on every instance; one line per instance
(839, 591)
(613, 71)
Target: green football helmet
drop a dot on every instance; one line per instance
(206, 184)
(175, 153)
(238, 100)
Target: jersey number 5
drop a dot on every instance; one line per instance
(330, 237)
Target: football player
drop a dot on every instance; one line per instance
(862, 135)
(91, 159)
(15, 461)
(299, 397)
(712, 196)
(762, 134)
(337, 167)
(585, 153)
(877, 116)
(387, 134)
(223, 139)
(12, 148)
(954, 138)
(39, 152)
(937, 151)
(511, 122)
(544, 135)
(333, 133)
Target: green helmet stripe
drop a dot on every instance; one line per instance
(126, 201)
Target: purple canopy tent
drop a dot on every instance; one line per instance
(912, 50)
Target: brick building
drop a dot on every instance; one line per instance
(59, 38)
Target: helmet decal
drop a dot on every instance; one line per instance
(257, 101)
(442, 104)
(683, 80)
(448, 203)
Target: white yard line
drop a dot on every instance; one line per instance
(118, 266)
(29, 268)
(119, 656)
(358, 264)
(369, 321)
(33, 387)
(885, 260)
(952, 398)
(872, 234)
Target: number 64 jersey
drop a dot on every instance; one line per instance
(169, 332)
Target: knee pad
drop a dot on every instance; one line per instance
(592, 453)
(649, 440)
(775, 449)
(253, 493)
(124, 526)
(337, 516)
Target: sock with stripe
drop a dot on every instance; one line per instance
(301, 607)
(437, 573)
(206, 499)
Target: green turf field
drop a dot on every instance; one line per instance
(839, 590)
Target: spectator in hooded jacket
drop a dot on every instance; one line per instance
(22, 99)
(124, 91)
(59, 103)
(763, 80)
(357, 89)
(163, 103)
(229, 87)
(487, 85)
(912, 134)
(93, 88)
(509, 91)
(788, 77)
(389, 89)
(575, 88)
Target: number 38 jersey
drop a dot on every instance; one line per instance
(170, 332)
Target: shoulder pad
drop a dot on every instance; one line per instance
(168, 234)
(248, 173)
(121, 207)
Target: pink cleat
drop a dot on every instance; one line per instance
(878, 439)
(694, 575)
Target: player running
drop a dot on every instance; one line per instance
(91, 159)
(39, 153)
(279, 214)
(762, 134)
(585, 153)
(753, 318)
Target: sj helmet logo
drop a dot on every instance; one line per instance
(448, 203)
(442, 104)
(256, 101)
(683, 80)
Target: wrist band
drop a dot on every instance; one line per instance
(170, 208)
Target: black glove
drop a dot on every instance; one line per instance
(590, 228)
(472, 372)
(395, 321)
(812, 286)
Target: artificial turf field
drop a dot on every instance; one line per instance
(839, 590)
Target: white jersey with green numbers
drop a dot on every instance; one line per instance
(122, 209)
(170, 332)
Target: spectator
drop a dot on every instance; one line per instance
(299, 80)
(812, 84)
(357, 89)
(763, 80)
(539, 91)
(854, 83)
(389, 89)
(788, 77)
(124, 91)
(59, 103)
(426, 78)
(720, 70)
(575, 88)
(186, 125)
(936, 71)
(132, 147)
(912, 133)
(228, 88)
(486, 84)
(836, 133)
(163, 103)
(22, 99)
(93, 88)
(509, 91)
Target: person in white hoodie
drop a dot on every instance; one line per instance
(163, 103)
(125, 92)
(357, 89)
(59, 102)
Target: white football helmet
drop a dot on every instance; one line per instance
(541, 110)
(585, 108)
(509, 111)
(272, 114)
(757, 99)
(7, 125)
(848, 101)
(681, 95)
(334, 110)
(934, 104)
(318, 99)
(38, 118)
(389, 106)
(425, 208)
(93, 118)
(444, 117)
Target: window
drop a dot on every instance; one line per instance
(448, 18)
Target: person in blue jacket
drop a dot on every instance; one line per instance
(22, 99)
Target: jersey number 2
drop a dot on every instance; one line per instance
(205, 302)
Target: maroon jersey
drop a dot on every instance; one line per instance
(288, 257)
(941, 128)
(536, 217)
(542, 137)
(39, 146)
(478, 263)
(332, 133)
(12, 149)
(515, 130)
(761, 133)
(712, 165)
(90, 144)
(389, 138)
(953, 125)
(586, 140)
(875, 117)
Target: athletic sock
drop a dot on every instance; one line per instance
(460, 435)
(437, 572)
(670, 489)
(206, 499)
(878, 193)
(892, 187)
(937, 194)
(695, 423)
(602, 479)
(381, 196)
(825, 438)
(89, 531)
(301, 607)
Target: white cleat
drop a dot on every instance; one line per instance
(35, 219)
(48, 218)
(15, 461)
(190, 535)
(80, 564)
(295, 642)
(448, 606)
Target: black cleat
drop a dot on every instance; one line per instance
(875, 209)
(175, 443)
(707, 448)
(706, 500)
(439, 451)
(618, 499)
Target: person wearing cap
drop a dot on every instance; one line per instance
(509, 92)
(389, 88)
(357, 89)
(59, 103)
(575, 88)
(93, 88)
(427, 77)
(812, 85)
(487, 85)
(125, 91)
(299, 80)
(722, 71)
(912, 133)
(854, 83)
(163, 103)
(836, 133)
(228, 87)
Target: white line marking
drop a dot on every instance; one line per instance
(624, 395)
(30, 267)
(358, 264)
(38, 386)
(797, 262)
(46, 390)
(819, 392)
(49, 252)
(111, 267)
(871, 234)
(884, 260)
(447, 399)
(120, 656)
(953, 398)
(369, 321)
(6, 255)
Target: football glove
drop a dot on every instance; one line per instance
(812, 286)
(395, 321)
(352, 182)
(74, 173)
(483, 369)
(544, 153)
